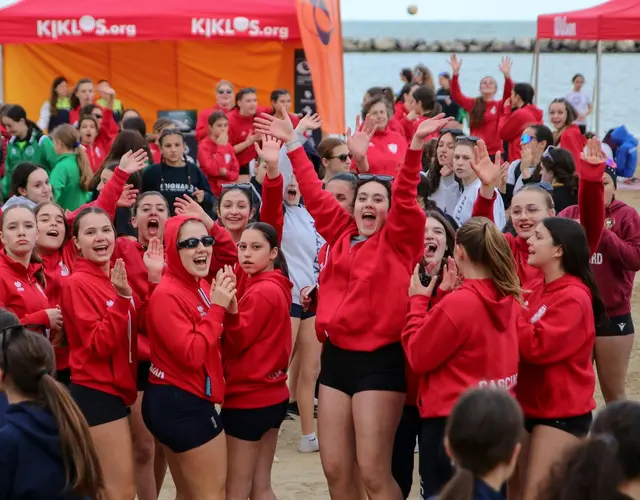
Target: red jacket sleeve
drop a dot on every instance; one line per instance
(108, 198)
(191, 345)
(330, 218)
(430, 337)
(591, 202)
(625, 250)
(243, 328)
(557, 335)
(512, 124)
(225, 251)
(508, 87)
(574, 142)
(405, 215)
(456, 94)
(102, 333)
(109, 128)
(483, 207)
(272, 209)
(37, 318)
(202, 125)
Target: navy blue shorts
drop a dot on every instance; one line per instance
(143, 375)
(251, 424)
(298, 312)
(98, 407)
(181, 421)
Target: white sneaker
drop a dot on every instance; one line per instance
(308, 445)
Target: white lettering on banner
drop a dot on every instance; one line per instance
(563, 28)
(506, 383)
(596, 258)
(86, 25)
(211, 27)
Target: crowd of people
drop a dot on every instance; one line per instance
(432, 290)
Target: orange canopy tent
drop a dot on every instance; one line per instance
(160, 54)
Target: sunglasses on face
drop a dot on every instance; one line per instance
(373, 177)
(225, 91)
(192, 243)
(342, 158)
(525, 139)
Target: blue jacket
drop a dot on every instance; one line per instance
(626, 152)
(31, 463)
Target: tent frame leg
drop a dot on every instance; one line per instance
(598, 83)
(536, 71)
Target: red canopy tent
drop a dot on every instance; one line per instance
(613, 20)
(161, 54)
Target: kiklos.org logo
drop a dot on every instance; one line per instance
(85, 25)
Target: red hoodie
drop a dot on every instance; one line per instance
(21, 294)
(202, 125)
(573, 141)
(557, 334)
(513, 123)
(184, 328)
(488, 129)
(156, 154)
(257, 343)
(108, 128)
(364, 284)
(212, 158)
(5, 137)
(452, 354)
(617, 258)
(590, 204)
(386, 153)
(100, 326)
(96, 156)
(241, 127)
(399, 110)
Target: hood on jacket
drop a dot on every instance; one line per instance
(36, 425)
(500, 309)
(534, 112)
(274, 276)
(621, 134)
(174, 264)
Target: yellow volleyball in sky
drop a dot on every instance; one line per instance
(412, 9)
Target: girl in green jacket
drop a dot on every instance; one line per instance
(28, 144)
(72, 174)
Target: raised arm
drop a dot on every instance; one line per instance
(456, 92)
(272, 208)
(505, 69)
(591, 192)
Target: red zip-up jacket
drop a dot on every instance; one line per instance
(364, 286)
(241, 127)
(202, 125)
(108, 128)
(513, 123)
(556, 338)
(257, 343)
(96, 156)
(395, 125)
(451, 353)
(488, 129)
(100, 326)
(573, 141)
(386, 153)
(212, 158)
(399, 110)
(21, 294)
(156, 154)
(591, 208)
(184, 328)
(225, 251)
(617, 258)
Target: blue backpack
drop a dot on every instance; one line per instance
(625, 150)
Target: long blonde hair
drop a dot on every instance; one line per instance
(70, 138)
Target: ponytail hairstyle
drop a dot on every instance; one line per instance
(53, 100)
(28, 366)
(35, 257)
(17, 113)
(386, 92)
(69, 136)
(157, 127)
(485, 245)
(476, 116)
(525, 92)
(576, 259)
(271, 236)
(483, 432)
(596, 467)
(560, 163)
(406, 89)
(427, 97)
(74, 101)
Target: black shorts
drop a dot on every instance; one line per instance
(251, 424)
(181, 421)
(617, 326)
(143, 375)
(576, 426)
(245, 170)
(434, 463)
(64, 376)
(298, 312)
(98, 407)
(358, 371)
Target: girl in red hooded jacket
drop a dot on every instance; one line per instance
(224, 103)
(88, 128)
(518, 114)
(22, 280)
(256, 351)
(376, 149)
(185, 318)
(567, 135)
(82, 103)
(423, 104)
(484, 111)
(241, 133)
(452, 354)
(363, 362)
(100, 325)
(216, 155)
(614, 265)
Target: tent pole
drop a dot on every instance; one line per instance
(536, 71)
(598, 78)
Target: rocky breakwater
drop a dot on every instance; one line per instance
(525, 44)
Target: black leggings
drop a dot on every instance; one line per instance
(435, 465)
(404, 448)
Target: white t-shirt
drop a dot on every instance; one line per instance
(447, 195)
(464, 208)
(581, 101)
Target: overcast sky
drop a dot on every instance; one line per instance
(456, 10)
